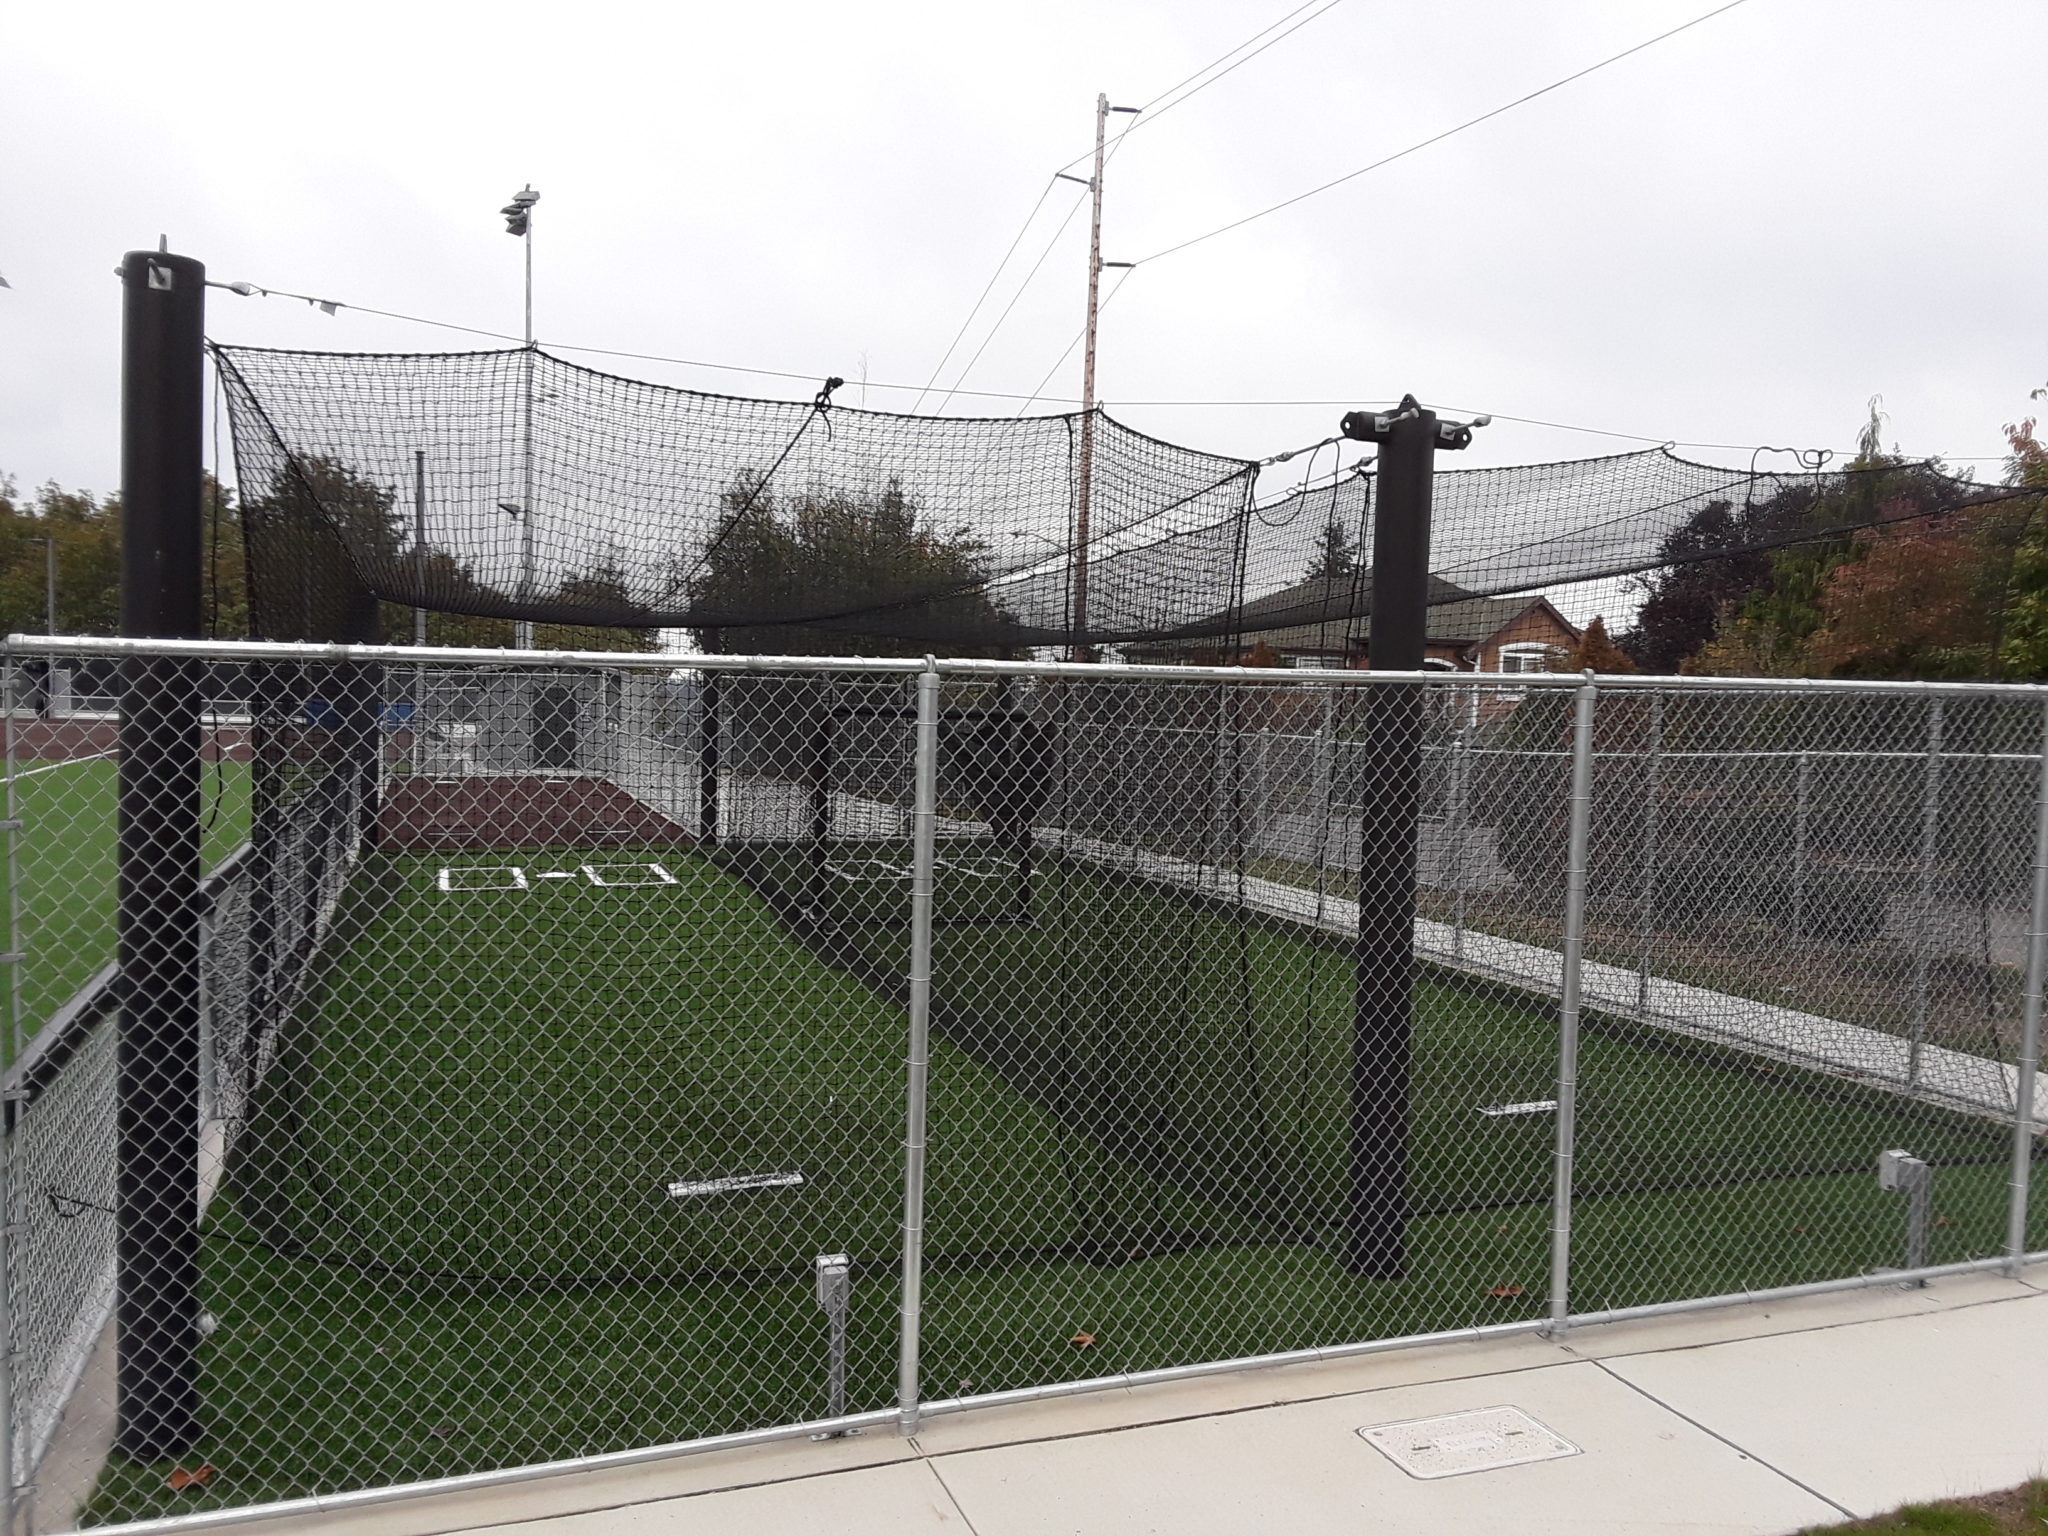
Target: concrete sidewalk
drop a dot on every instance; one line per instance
(1757, 1419)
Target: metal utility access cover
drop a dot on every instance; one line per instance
(1480, 1441)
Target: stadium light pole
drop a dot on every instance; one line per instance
(519, 222)
(49, 543)
(1382, 1041)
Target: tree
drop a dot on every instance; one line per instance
(1595, 652)
(1336, 556)
(795, 575)
(1917, 591)
(88, 534)
(308, 537)
(1684, 598)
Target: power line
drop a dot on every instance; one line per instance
(1153, 111)
(1156, 111)
(987, 289)
(1055, 368)
(1438, 138)
(1050, 245)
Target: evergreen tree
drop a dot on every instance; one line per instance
(1336, 557)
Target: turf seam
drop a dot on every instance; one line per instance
(1742, 1451)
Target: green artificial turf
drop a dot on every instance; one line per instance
(1217, 1046)
(65, 869)
(445, 1245)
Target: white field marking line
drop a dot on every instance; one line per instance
(446, 880)
(556, 874)
(972, 870)
(69, 762)
(734, 1184)
(1505, 1111)
(852, 870)
(661, 876)
(978, 869)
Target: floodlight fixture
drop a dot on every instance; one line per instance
(518, 212)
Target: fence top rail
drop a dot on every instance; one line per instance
(1268, 677)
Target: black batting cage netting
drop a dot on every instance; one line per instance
(514, 485)
(1196, 1098)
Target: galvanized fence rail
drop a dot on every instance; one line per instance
(608, 1056)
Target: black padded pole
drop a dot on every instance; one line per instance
(1382, 1027)
(162, 422)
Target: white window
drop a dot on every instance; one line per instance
(1315, 663)
(1525, 656)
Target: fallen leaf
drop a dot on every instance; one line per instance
(1082, 1340)
(1505, 1290)
(1503, 1231)
(445, 1431)
(1943, 1221)
(180, 1479)
(1802, 1230)
(965, 1384)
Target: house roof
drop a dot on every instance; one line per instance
(1331, 600)
(1333, 614)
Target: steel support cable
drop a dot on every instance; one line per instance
(991, 394)
(821, 409)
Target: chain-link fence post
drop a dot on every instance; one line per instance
(1923, 902)
(9, 1106)
(1461, 799)
(1584, 699)
(12, 830)
(1646, 916)
(924, 856)
(8, 1486)
(2030, 1025)
(1802, 817)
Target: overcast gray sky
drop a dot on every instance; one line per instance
(1736, 236)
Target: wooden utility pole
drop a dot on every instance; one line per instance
(1080, 650)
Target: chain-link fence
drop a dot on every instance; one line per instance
(587, 1056)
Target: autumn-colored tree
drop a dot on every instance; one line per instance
(1960, 594)
(2023, 635)
(1596, 652)
(1260, 655)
